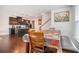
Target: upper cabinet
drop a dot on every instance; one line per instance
(18, 21)
(12, 21)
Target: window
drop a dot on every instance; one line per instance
(77, 22)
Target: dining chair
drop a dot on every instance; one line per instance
(37, 42)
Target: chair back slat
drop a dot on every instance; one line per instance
(37, 40)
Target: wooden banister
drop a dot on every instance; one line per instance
(44, 24)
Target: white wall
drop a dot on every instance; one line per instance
(65, 27)
(36, 24)
(6, 11)
(4, 24)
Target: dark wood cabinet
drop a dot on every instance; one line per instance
(19, 21)
(12, 21)
(21, 25)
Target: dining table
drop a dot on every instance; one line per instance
(50, 40)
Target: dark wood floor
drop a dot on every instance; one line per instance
(15, 45)
(12, 45)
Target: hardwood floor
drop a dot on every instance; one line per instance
(15, 45)
(12, 45)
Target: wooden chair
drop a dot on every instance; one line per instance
(37, 42)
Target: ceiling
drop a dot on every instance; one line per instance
(29, 10)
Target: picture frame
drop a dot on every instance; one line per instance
(61, 16)
(39, 21)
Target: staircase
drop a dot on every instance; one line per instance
(46, 23)
(75, 43)
(69, 43)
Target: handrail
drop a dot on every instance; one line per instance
(75, 42)
(44, 24)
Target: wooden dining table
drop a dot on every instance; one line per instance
(48, 37)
